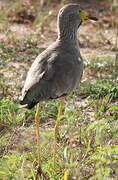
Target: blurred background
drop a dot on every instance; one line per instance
(90, 121)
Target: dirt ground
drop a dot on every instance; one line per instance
(29, 27)
(96, 38)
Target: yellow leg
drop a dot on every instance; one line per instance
(60, 112)
(66, 175)
(56, 130)
(37, 122)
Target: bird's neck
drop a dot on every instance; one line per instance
(67, 34)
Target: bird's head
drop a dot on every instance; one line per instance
(72, 15)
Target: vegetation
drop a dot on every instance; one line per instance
(89, 126)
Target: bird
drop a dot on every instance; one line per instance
(58, 70)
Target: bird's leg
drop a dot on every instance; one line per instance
(56, 130)
(60, 111)
(37, 122)
(66, 175)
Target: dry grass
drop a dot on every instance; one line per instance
(89, 146)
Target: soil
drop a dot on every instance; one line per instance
(97, 39)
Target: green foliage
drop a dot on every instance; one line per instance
(101, 65)
(9, 112)
(88, 148)
(99, 88)
(12, 167)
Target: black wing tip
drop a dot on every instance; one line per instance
(23, 103)
(28, 105)
(23, 106)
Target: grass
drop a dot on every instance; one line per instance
(89, 149)
(89, 126)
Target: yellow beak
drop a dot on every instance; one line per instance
(86, 16)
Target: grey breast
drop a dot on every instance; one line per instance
(54, 73)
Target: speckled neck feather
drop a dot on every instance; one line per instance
(67, 29)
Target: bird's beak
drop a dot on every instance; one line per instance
(86, 16)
